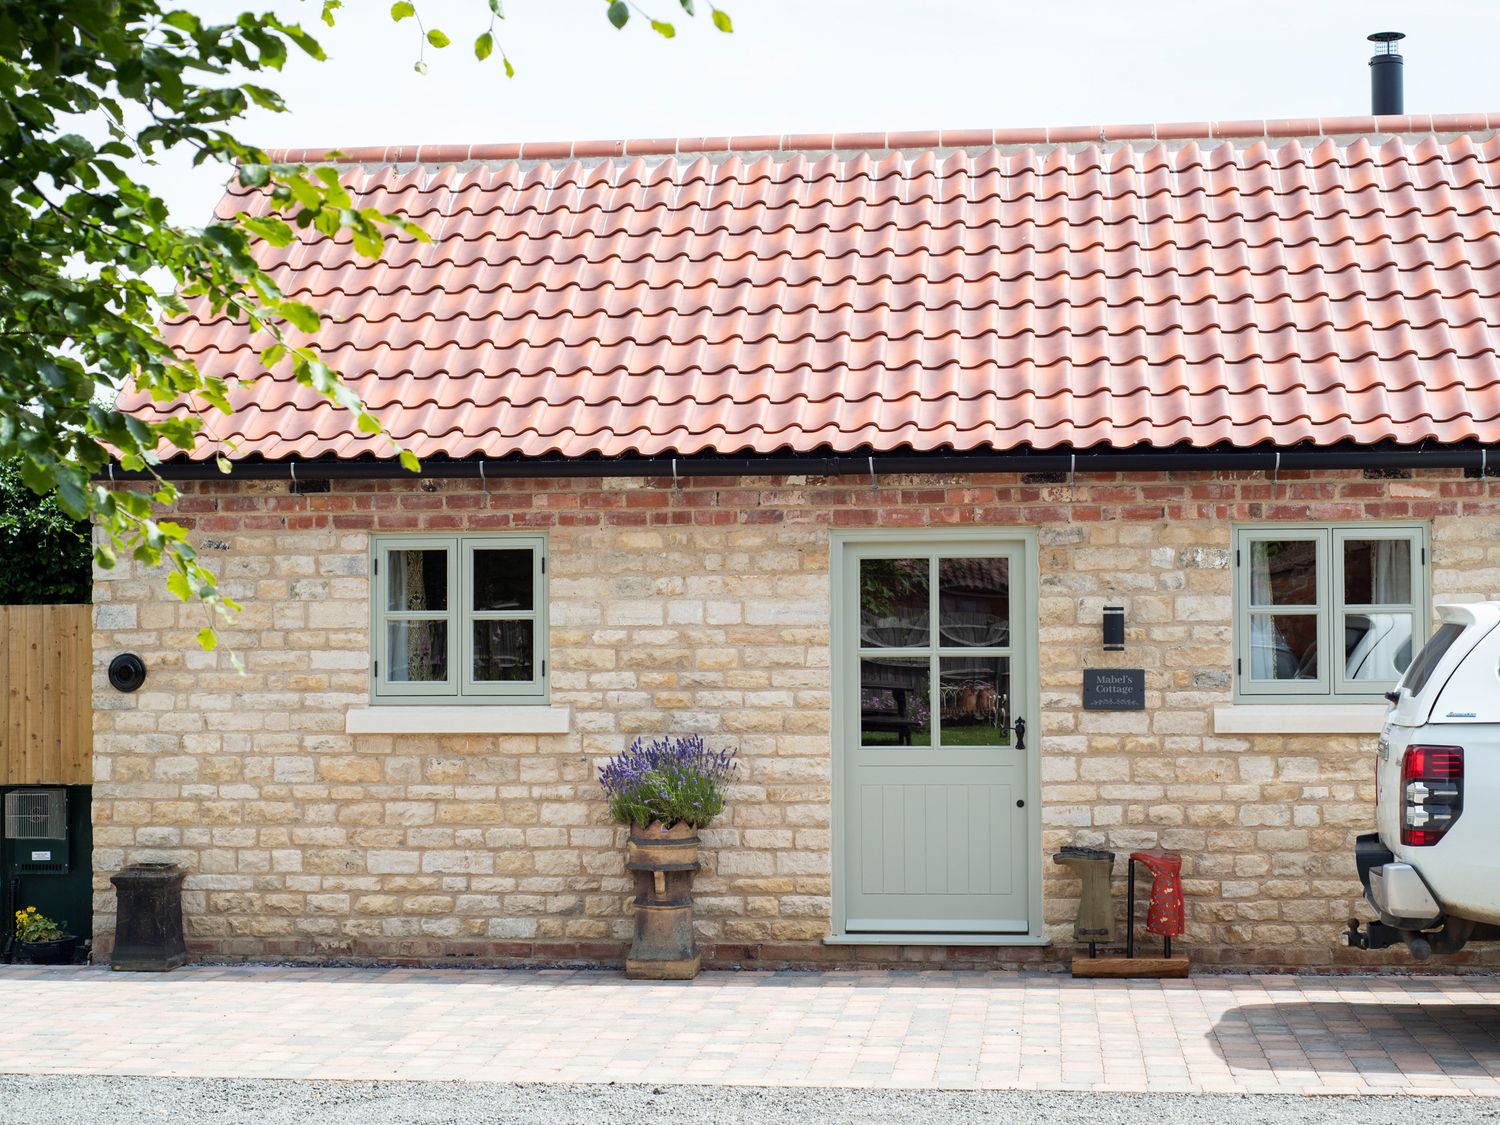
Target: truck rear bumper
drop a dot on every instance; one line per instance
(1396, 891)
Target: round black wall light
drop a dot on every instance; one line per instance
(127, 672)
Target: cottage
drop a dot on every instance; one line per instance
(833, 449)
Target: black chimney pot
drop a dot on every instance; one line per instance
(1386, 93)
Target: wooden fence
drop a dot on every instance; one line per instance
(46, 703)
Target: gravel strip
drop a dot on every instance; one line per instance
(73, 1100)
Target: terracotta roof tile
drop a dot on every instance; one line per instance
(1103, 285)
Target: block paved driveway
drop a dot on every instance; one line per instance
(1252, 1034)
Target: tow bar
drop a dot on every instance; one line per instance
(1377, 935)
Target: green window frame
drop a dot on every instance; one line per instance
(458, 619)
(1345, 648)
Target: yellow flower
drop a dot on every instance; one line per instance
(31, 910)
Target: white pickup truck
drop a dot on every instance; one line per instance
(1432, 870)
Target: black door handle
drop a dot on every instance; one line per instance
(1020, 729)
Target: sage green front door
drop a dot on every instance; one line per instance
(935, 761)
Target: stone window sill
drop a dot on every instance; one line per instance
(999, 941)
(500, 718)
(1305, 718)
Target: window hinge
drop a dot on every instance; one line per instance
(1239, 667)
(544, 564)
(377, 564)
(377, 669)
(1236, 556)
(1424, 556)
(544, 669)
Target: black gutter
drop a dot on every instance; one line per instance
(881, 464)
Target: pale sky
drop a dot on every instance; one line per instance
(833, 65)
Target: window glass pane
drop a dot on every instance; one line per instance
(895, 702)
(974, 602)
(1377, 646)
(1284, 646)
(893, 605)
(418, 580)
(975, 700)
(1377, 572)
(416, 651)
(502, 579)
(1284, 572)
(1428, 659)
(503, 651)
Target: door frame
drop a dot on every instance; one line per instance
(1028, 626)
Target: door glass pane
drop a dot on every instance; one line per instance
(895, 705)
(974, 700)
(502, 579)
(974, 602)
(418, 580)
(1284, 572)
(417, 651)
(893, 604)
(1377, 572)
(502, 651)
(1377, 646)
(1284, 646)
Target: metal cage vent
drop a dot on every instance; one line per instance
(36, 814)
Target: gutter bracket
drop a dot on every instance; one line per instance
(484, 484)
(874, 484)
(1072, 471)
(1276, 474)
(296, 488)
(676, 480)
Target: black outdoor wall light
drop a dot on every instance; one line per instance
(1114, 628)
(127, 672)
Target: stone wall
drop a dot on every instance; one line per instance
(705, 609)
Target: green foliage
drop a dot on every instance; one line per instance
(670, 797)
(32, 926)
(85, 247)
(44, 553)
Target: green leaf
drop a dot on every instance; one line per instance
(329, 7)
(255, 175)
(437, 38)
(402, 10)
(510, 71)
(409, 461)
(208, 640)
(722, 21)
(419, 66)
(619, 13)
(665, 30)
(301, 316)
(687, 6)
(484, 46)
(498, 9)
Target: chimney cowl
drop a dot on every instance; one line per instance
(1387, 93)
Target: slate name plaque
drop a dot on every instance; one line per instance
(1114, 689)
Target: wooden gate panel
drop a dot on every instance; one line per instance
(46, 702)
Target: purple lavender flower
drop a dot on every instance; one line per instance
(668, 779)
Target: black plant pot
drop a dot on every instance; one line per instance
(59, 952)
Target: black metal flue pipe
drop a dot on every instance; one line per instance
(1387, 88)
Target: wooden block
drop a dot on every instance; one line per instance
(1157, 967)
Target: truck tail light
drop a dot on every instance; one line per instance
(1432, 791)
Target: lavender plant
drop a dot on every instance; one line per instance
(667, 779)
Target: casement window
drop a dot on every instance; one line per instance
(1327, 612)
(459, 618)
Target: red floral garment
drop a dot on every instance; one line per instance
(1165, 917)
